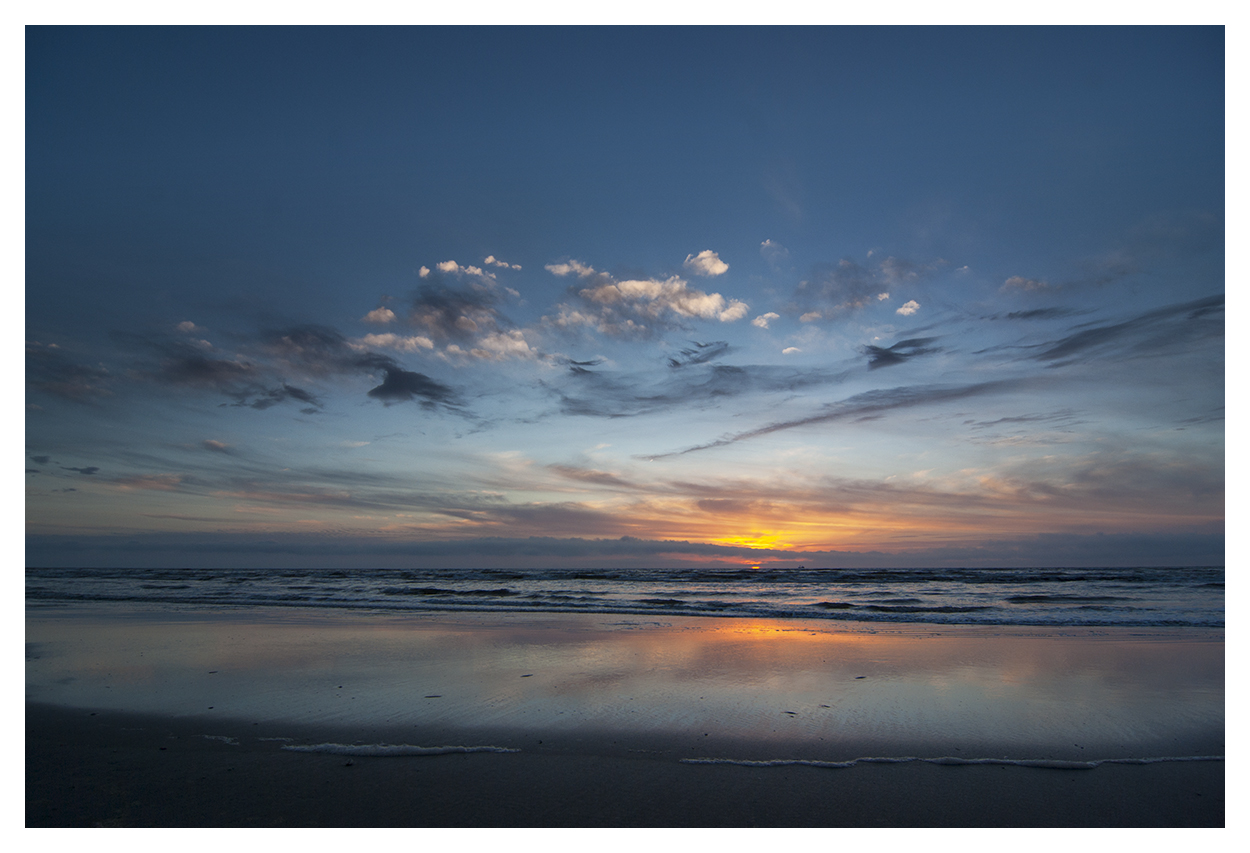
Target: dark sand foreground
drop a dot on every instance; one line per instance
(113, 769)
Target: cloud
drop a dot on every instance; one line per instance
(453, 268)
(381, 316)
(400, 385)
(571, 267)
(455, 313)
(899, 352)
(50, 370)
(217, 446)
(88, 471)
(908, 308)
(498, 346)
(810, 317)
(151, 482)
(1151, 333)
(259, 379)
(847, 286)
(706, 263)
(41, 460)
(1018, 282)
(701, 354)
(638, 307)
(1041, 314)
(869, 404)
(302, 549)
(492, 261)
(187, 327)
(763, 320)
(790, 350)
(402, 343)
(605, 394)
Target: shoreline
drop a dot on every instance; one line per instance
(107, 768)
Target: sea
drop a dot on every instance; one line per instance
(1057, 597)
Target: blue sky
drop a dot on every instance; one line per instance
(624, 296)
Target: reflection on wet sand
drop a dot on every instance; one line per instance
(844, 692)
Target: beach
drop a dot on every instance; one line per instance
(149, 717)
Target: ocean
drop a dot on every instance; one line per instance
(1056, 597)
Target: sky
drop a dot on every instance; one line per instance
(615, 296)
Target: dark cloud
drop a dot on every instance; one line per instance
(400, 385)
(51, 370)
(320, 352)
(899, 352)
(847, 286)
(701, 354)
(456, 313)
(593, 477)
(41, 460)
(608, 395)
(864, 406)
(1041, 314)
(88, 471)
(1148, 333)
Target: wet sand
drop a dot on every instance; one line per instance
(116, 769)
(157, 719)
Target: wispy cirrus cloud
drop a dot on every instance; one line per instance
(861, 407)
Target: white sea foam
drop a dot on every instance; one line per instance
(390, 749)
(1050, 763)
(222, 738)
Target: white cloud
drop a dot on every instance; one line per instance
(1019, 282)
(458, 269)
(809, 317)
(381, 316)
(491, 260)
(571, 267)
(214, 444)
(706, 262)
(909, 308)
(187, 327)
(353, 443)
(764, 319)
(789, 350)
(736, 311)
(390, 340)
(502, 345)
(882, 297)
(652, 298)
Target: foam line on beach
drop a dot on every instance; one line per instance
(390, 749)
(1048, 763)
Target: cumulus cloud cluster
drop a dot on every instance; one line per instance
(639, 307)
(454, 313)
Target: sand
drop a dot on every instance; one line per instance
(140, 718)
